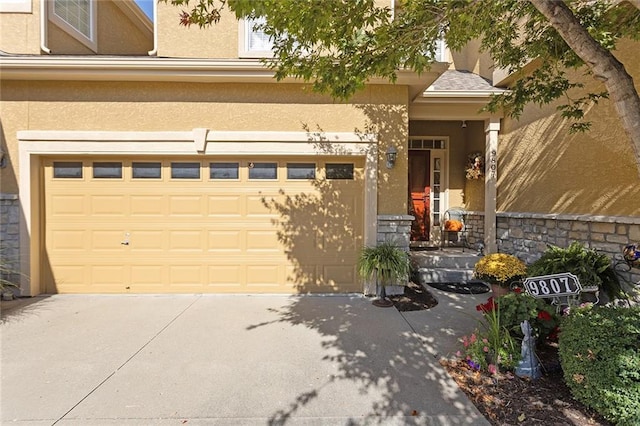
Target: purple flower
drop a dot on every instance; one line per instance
(473, 365)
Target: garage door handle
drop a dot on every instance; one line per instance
(125, 243)
(126, 239)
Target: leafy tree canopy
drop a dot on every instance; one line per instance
(339, 44)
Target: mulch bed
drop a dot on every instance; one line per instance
(415, 298)
(504, 398)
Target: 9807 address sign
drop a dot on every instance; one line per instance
(563, 284)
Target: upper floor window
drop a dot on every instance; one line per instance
(15, 6)
(254, 43)
(77, 18)
(441, 51)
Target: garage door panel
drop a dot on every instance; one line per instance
(186, 275)
(202, 235)
(62, 240)
(262, 241)
(344, 240)
(339, 276)
(147, 241)
(67, 205)
(258, 206)
(185, 240)
(108, 205)
(225, 276)
(108, 240)
(148, 275)
(113, 275)
(302, 276)
(147, 205)
(225, 241)
(69, 278)
(263, 275)
(225, 206)
(185, 205)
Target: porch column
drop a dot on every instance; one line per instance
(491, 177)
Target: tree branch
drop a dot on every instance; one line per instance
(603, 64)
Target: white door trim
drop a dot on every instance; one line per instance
(443, 153)
(35, 143)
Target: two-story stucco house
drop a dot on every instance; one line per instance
(139, 156)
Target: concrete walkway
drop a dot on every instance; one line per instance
(247, 360)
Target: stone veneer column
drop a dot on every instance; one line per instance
(491, 177)
(395, 229)
(10, 234)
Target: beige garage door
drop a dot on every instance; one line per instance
(184, 225)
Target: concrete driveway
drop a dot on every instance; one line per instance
(254, 360)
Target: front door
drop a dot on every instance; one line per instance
(419, 190)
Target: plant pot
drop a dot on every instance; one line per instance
(499, 290)
(382, 301)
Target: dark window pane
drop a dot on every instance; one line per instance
(107, 170)
(340, 171)
(223, 170)
(147, 170)
(301, 171)
(185, 170)
(67, 169)
(263, 170)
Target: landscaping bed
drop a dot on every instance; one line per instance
(506, 399)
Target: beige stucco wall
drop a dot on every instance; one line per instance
(20, 32)
(117, 35)
(545, 169)
(471, 59)
(218, 41)
(95, 106)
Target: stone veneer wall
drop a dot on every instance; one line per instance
(474, 229)
(397, 230)
(527, 235)
(10, 234)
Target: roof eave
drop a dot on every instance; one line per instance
(102, 68)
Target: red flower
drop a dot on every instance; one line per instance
(517, 290)
(553, 336)
(544, 315)
(490, 306)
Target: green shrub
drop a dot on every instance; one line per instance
(600, 358)
(591, 268)
(516, 307)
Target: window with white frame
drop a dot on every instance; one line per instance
(254, 43)
(441, 51)
(77, 18)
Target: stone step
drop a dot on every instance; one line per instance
(451, 261)
(443, 275)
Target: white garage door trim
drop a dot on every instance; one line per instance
(34, 143)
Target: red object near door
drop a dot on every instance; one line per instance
(419, 190)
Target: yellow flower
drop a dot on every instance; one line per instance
(499, 268)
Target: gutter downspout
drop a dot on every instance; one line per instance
(154, 52)
(43, 27)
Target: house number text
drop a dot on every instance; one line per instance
(544, 286)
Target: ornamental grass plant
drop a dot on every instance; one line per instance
(386, 262)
